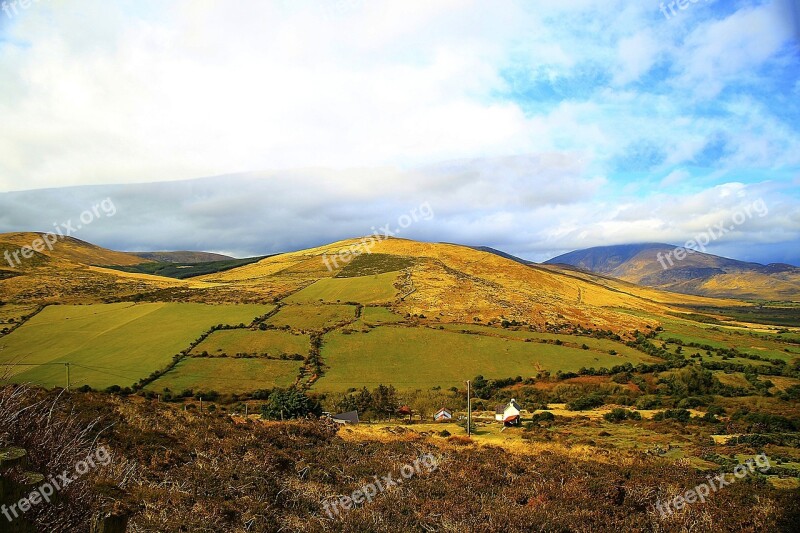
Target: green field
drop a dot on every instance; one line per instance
(230, 342)
(365, 289)
(380, 315)
(419, 358)
(717, 337)
(313, 317)
(111, 344)
(599, 345)
(227, 376)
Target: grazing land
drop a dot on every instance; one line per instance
(230, 342)
(227, 375)
(378, 288)
(313, 317)
(416, 358)
(111, 344)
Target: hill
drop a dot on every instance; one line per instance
(443, 282)
(183, 270)
(656, 265)
(66, 272)
(182, 257)
(450, 283)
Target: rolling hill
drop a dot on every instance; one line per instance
(67, 274)
(445, 283)
(654, 265)
(182, 257)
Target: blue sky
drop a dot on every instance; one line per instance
(535, 127)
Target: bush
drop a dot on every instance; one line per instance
(544, 416)
(681, 415)
(618, 415)
(691, 402)
(586, 402)
(648, 402)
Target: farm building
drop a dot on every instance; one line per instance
(508, 414)
(405, 411)
(350, 417)
(443, 415)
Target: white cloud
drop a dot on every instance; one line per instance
(637, 55)
(676, 176)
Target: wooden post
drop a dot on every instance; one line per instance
(469, 411)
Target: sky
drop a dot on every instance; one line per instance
(535, 127)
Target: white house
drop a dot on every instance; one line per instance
(508, 414)
(443, 415)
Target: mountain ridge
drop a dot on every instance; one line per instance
(657, 265)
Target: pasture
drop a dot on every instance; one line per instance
(313, 317)
(111, 344)
(377, 288)
(419, 358)
(380, 315)
(227, 375)
(229, 342)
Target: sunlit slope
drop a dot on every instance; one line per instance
(452, 283)
(66, 248)
(65, 274)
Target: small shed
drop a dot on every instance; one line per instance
(443, 415)
(350, 417)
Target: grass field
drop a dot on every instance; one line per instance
(227, 376)
(419, 358)
(313, 317)
(598, 345)
(745, 342)
(246, 341)
(377, 288)
(733, 379)
(380, 315)
(111, 344)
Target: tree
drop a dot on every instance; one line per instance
(384, 400)
(289, 403)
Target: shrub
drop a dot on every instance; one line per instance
(618, 415)
(681, 415)
(648, 402)
(586, 402)
(544, 416)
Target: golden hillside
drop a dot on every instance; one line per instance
(452, 283)
(442, 282)
(65, 274)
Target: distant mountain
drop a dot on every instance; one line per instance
(656, 265)
(183, 257)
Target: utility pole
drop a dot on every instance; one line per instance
(469, 411)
